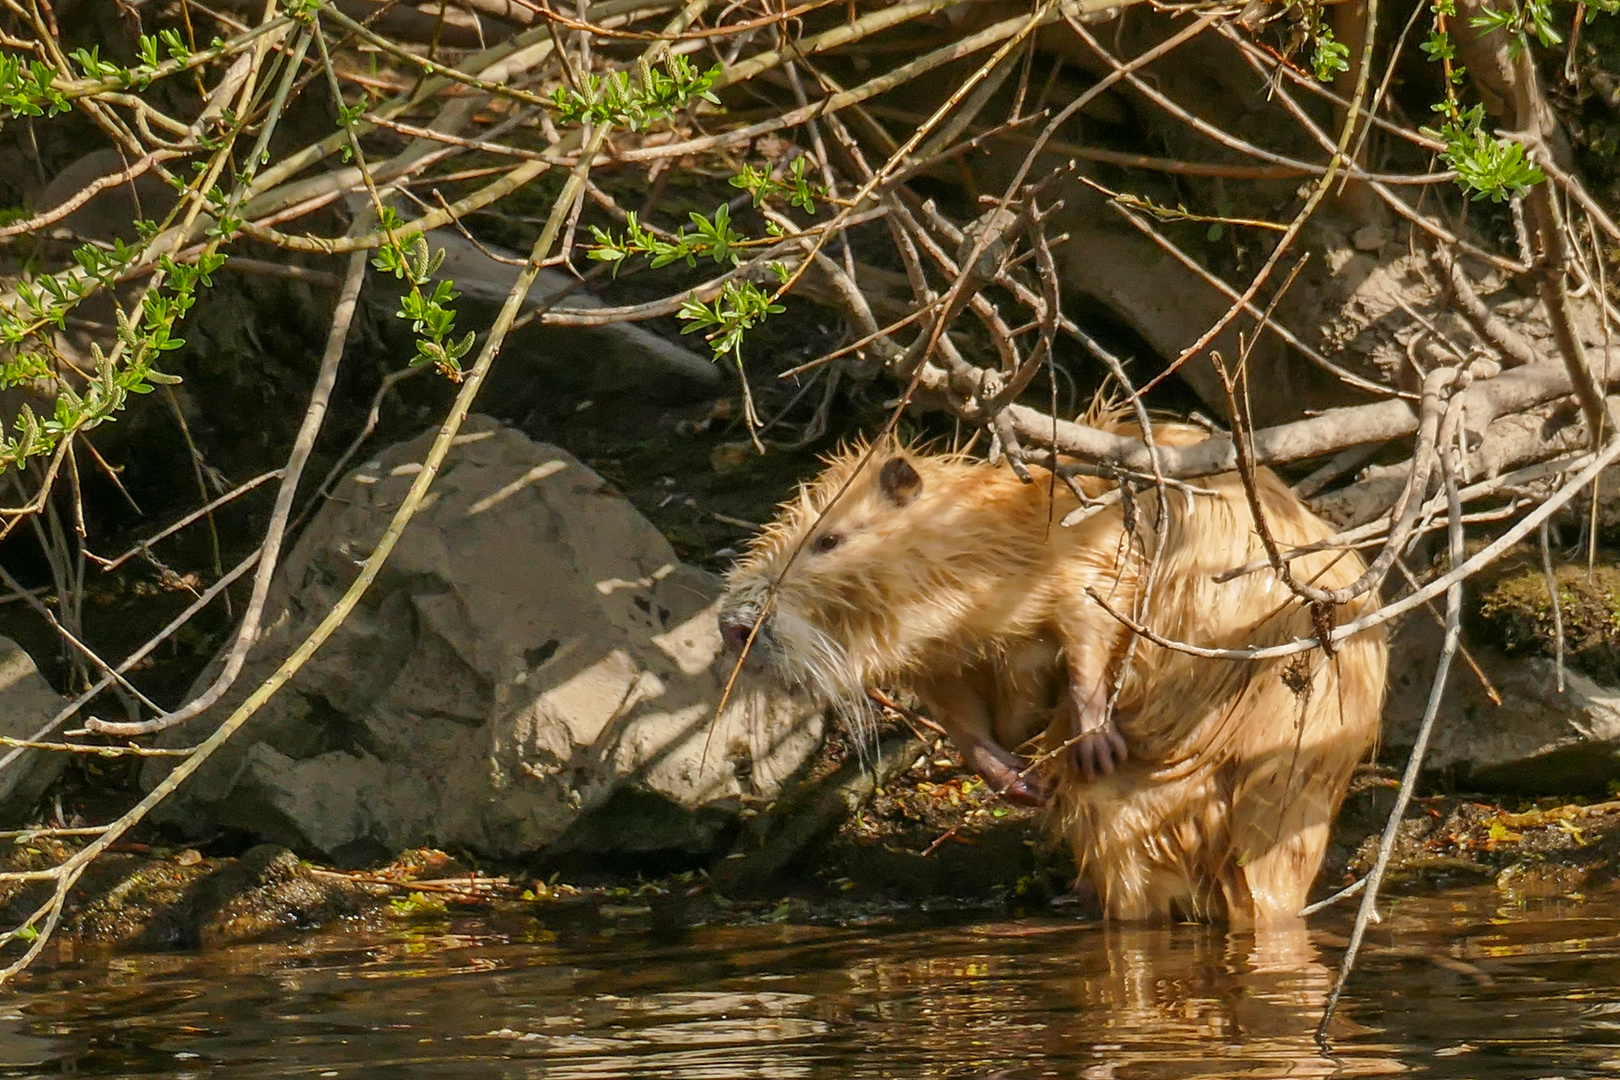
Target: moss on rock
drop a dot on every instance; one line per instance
(1516, 613)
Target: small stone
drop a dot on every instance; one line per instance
(1370, 238)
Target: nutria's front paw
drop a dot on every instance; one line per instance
(1099, 751)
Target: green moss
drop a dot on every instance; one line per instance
(1516, 613)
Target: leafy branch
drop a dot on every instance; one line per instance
(28, 87)
(713, 237)
(740, 307)
(106, 391)
(32, 87)
(433, 320)
(1520, 20)
(797, 188)
(616, 99)
(1487, 167)
(1329, 56)
(36, 304)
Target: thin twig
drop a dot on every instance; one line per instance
(1459, 572)
(229, 496)
(1512, 345)
(72, 708)
(247, 634)
(1414, 763)
(1377, 529)
(1337, 162)
(95, 751)
(72, 639)
(1343, 374)
(1328, 901)
(67, 874)
(1557, 605)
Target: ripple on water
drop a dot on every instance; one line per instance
(1449, 986)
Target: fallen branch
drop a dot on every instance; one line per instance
(96, 751)
(1334, 430)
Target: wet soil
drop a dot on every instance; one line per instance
(1515, 611)
(932, 840)
(1531, 848)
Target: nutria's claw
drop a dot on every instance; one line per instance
(1100, 752)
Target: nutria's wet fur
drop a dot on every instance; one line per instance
(1209, 791)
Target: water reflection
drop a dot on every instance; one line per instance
(1451, 987)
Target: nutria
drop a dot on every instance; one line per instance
(1208, 790)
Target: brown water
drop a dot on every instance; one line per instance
(1462, 985)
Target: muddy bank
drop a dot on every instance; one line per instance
(931, 840)
(931, 837)
(1528, 848)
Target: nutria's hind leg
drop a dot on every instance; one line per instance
(1278, 880)
(1282, 815)
(1281, 876)
(961, 707)
(1003, 770)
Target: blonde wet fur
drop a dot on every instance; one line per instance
(1209, 791)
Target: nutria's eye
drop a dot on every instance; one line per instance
(827, 541)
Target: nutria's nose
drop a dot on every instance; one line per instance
(734, 631)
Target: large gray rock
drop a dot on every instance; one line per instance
(26, 702)
(532, 663)
(1537, 741)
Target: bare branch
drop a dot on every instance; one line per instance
(1389, 612)
(303, 443)
(1414, 763)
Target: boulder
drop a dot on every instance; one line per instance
(1538, 741)
(26, 703)
(533, 670)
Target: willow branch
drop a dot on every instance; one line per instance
(247, 633)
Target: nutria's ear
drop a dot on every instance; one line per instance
(900, 481)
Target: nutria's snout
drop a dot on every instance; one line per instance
(738, 614)
(735, 628)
